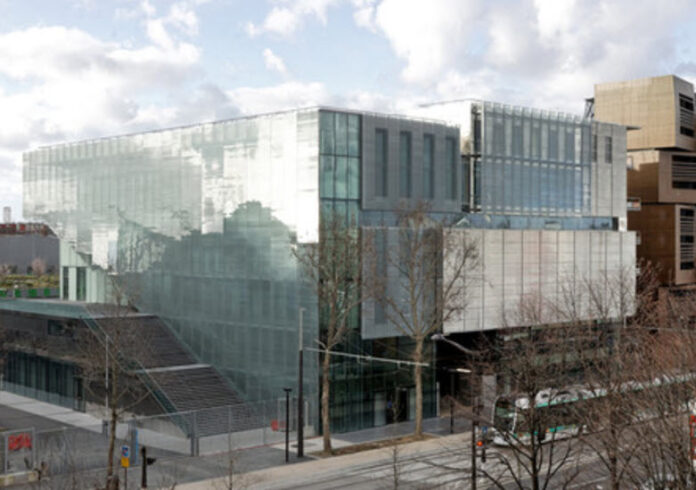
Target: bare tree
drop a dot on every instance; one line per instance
(432, 267)
(597, 308)
(110, 348)
(334, 266)
(536, 362)
(663, 454)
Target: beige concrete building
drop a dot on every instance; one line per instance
(661, 107)
(661, 181)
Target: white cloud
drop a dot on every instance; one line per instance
(274, 62)
(543, 52)
(66, 84)
(285, 19)
(288, 95)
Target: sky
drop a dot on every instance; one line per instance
(78, 69)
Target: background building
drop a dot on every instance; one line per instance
(22, 243)
(662, 172)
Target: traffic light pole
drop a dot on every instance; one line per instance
(474, 424)
(287, 423)
(300, 400)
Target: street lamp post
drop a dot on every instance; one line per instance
(474, 402)
(287, 423)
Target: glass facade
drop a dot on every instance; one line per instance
(365, 393)
(200, 222)
(533, 162)
(44, 379)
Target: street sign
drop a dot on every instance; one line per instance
(125, 456)
(484, 429)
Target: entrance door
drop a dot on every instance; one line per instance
(380, 409)
(402, 405)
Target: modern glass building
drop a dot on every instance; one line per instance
(201, 221)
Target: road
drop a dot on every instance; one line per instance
(445, 464)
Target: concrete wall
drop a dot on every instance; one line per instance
(652, 104)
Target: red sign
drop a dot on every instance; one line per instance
(19, 441)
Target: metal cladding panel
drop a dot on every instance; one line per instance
(394, 126)
(549, 270)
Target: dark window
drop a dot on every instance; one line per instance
(465, 180)
(683, 172)
(405, 188)
(477, 132)
(452, 164)
(66, 282)
(81, 284)
(594, 148)
(686, 239)
(608, 150)
(381, 158)
(428, 166)
(686, 115)
(477, 183)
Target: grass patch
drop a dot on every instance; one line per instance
(26, 281)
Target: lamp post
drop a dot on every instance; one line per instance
(452, 373)
(300, 400)
(474, 401)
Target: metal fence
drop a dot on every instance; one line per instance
(71, 450)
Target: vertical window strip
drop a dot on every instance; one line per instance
(451, 150)
(381, 156)
(428, 166)
(405, 160)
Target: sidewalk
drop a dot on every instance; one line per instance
(283, 474)
(49, 411)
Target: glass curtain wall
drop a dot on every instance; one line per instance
(534, 162)
(199, 222)
(361, 390)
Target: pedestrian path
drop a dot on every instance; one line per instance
(56, 413)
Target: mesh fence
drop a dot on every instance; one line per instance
(71, 450)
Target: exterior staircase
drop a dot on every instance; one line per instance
(204, 400)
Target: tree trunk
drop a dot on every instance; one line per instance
(325, 385)
(113, 418)
(535, 465)
(418, 375)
